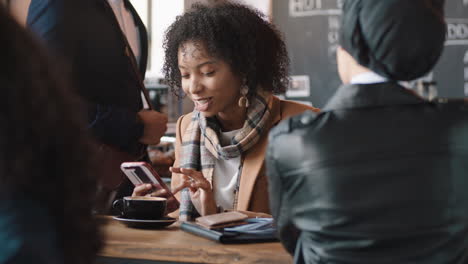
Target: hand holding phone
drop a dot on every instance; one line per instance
(141, 174)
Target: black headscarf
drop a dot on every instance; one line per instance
(398, 39)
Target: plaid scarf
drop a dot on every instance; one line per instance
(201, 145)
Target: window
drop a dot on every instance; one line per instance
(157, 15)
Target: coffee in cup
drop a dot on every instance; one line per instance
(141, 207)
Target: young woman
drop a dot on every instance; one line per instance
(229, 61)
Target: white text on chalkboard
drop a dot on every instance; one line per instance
(465, 60)
(457, 31)
(299, 8)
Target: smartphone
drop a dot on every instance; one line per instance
(142, 173)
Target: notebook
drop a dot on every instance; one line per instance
(256, 230)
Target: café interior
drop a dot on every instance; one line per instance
(234, 131)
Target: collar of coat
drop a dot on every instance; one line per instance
(372, 95)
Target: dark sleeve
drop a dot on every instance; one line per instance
(22, 242)
(111, 125)
(44, 19)
(115, 126)
(31, 254)
(280, 208)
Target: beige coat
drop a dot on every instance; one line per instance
(253, 189)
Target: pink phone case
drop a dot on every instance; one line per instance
(142, 172)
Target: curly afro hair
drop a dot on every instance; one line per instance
(236, 34)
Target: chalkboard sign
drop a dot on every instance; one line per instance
(311, 30)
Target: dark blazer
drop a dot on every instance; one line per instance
(87, 34)
(380, 176)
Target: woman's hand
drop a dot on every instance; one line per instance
(200, 189)
(142, 190)
(148, 189)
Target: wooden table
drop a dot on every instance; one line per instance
(174, 245)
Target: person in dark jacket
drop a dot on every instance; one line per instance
(380, 175)
(105, 43)
(46, 174)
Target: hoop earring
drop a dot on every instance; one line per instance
(244, 101)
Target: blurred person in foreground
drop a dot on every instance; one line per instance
(46, 184)
(380, 175)
(229, 61)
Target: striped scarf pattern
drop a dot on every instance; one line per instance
(201, 145)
